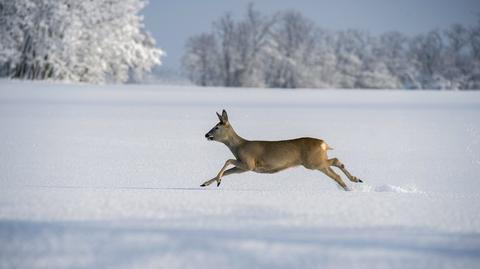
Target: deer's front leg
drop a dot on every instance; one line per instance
(239, 168)
(208, 182)
(218, 178)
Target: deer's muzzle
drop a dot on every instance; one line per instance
(209, 136)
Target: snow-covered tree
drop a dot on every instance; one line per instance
(90, 41)
(392, 51)
(201, 60)
(225, 31)
(251, 39)
(457, 56)
(473, 80)
(426, 52)
(325, 60)
(292, 55)
(348, 52)
(375, 72)
(26, 37)
(232, 54)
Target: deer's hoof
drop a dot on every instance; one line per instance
(218, 184)
(360, 181)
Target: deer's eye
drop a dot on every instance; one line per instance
(216, 128)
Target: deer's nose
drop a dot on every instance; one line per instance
(206, 135)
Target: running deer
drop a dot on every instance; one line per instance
(273, 156)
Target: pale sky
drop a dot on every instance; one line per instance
(172, 22)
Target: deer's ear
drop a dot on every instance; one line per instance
(224, 116)
(219, 117)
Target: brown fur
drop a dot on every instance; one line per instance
(273, 156)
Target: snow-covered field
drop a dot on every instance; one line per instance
(108, 177)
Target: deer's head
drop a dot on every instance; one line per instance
(222, 130)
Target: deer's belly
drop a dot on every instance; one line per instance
(269, 168)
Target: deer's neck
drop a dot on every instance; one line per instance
(234, 141)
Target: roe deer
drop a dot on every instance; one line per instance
(273, 156)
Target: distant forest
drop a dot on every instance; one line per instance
(80, 41)
(287, 50)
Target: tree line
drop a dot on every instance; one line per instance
(287, 50)
(87, 41)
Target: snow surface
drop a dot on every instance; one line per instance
(108, 177)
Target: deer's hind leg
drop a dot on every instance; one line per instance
(336, 162)
(329, 172)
